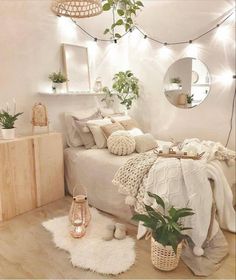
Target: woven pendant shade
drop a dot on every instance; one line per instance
(77, 8)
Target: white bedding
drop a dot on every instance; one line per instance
(95, 168)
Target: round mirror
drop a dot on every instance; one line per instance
(187, 83)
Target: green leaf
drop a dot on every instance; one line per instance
(106, 31)
(119, 22)
(158, 199)
(129, 20)
(117, 35)
(106, 7)
(139, 3)
(120, 12)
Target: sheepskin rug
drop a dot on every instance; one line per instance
(91, 251)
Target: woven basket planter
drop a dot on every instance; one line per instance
(164, 257)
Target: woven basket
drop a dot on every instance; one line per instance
(164, 257)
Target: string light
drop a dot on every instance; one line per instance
(145, 36)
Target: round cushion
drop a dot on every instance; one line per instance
(121, 143)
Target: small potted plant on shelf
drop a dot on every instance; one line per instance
(167, 236)
(58, 82)
(7, 121)
(175, 83)
(126, 85)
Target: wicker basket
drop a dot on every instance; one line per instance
(164, 258)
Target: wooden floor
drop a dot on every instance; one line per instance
(27, 251)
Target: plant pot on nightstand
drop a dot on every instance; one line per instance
(8, 134)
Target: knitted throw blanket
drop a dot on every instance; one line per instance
(129, 179)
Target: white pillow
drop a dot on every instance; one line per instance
(72, 136)
(135, 131)
(94, 126)
(145, 142)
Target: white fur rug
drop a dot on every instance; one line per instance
(91, 251)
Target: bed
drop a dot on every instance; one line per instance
(95, 168)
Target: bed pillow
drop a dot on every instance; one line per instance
(83, 130)
(119, 117)
(95, 128)
(129, 124)
(145, 142)
(121, 143)
(73, 138)
(108, 129)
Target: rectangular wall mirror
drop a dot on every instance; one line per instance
(77, 68)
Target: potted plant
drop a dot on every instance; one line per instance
(108, 98)
(126, 85)
(190, 99)
(175, 83)
(166, 227)
(58, 82)
(123, 12)
(7, 121)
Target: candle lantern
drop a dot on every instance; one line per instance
(80, 210)
(77, 229)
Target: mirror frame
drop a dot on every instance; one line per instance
(210, 82)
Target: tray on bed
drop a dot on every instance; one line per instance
(179, 156)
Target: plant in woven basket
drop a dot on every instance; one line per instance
(126, 85)
(166, 225)
(123, 12)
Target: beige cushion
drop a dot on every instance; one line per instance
(95, 128)
(145, 142)
(121, 143)
(73, 138)
(110, 128)
(119, 117)
(129, 124)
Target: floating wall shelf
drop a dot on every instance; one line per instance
(71, 93)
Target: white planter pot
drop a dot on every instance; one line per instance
(8, 133)
(59, 87)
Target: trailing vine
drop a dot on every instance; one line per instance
(123, 12)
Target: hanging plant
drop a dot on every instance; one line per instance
(123, 12)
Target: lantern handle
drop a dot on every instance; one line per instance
(76, 188)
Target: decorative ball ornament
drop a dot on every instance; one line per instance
(77, 8)
(121, 143)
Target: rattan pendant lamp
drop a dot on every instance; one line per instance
(77, 8)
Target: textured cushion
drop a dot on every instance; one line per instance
(145, 142)
(83, 130)
(110, 128)
(73, 138)
(95, 128)
(121, 143)
(129, 124)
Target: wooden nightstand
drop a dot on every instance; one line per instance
(31, 173)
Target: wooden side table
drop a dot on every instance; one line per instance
(31, 173)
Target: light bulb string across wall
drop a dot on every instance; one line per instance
(145, 36)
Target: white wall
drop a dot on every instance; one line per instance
(30, 41)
